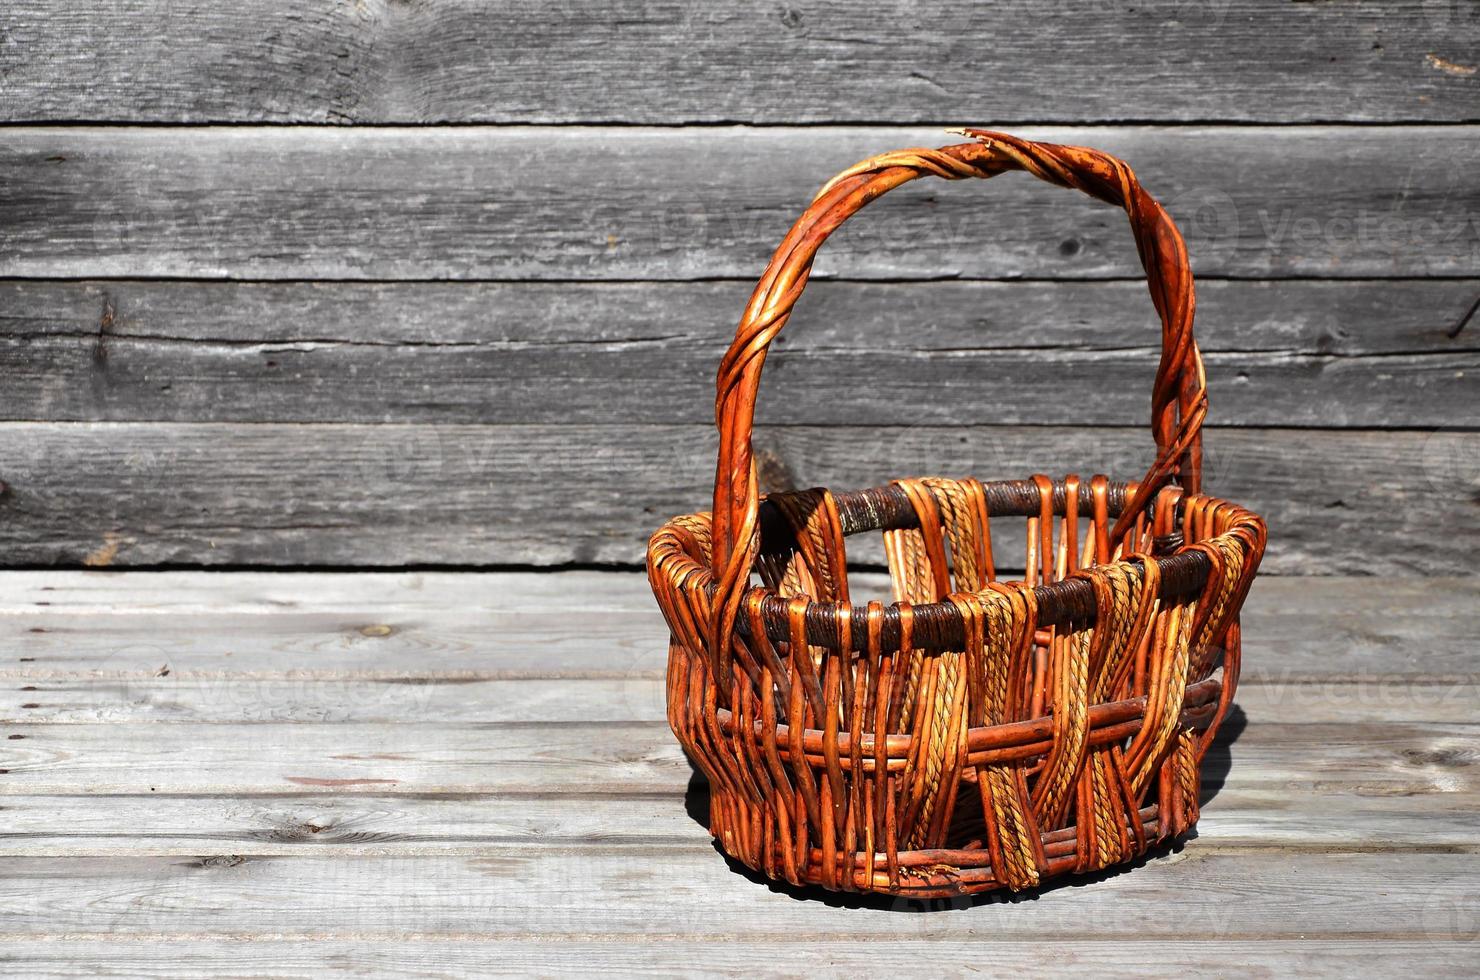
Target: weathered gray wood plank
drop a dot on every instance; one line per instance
(638, 697)
(608, 757)
(123, 594)
(1322, 353)
(636, 203)
(672, 892)
(1347, 318)
(635, 697)
(1343, 641)
(356, 822)
(128, 493)
(472, 957)
(660, 61)
(1342, 813)
(391, 644)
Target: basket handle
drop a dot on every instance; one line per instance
(1178, 397)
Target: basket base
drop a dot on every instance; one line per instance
(939, 872)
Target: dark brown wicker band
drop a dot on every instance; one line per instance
(938, 625)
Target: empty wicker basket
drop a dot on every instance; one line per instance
(977, 733)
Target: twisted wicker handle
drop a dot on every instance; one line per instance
(1178, 398)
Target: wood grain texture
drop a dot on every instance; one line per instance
(643, 203)
(445, 959)
(289, 779)
(805, 61)
(638, 696)
(276, 494)
(423, 755)
(1338, 642)
(100, 592)
(359, 822)
(489, 344)
(1316, 353)
(654, 893)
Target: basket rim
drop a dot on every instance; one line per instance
(938, 626)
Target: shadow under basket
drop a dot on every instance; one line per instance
(978, 730)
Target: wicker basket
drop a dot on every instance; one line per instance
(976, 733)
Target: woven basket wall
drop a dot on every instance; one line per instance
(972, 730)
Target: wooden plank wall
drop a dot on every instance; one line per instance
(385, 283)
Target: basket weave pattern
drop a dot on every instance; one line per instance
(977, 732)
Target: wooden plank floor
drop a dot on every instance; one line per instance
(446, 774)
